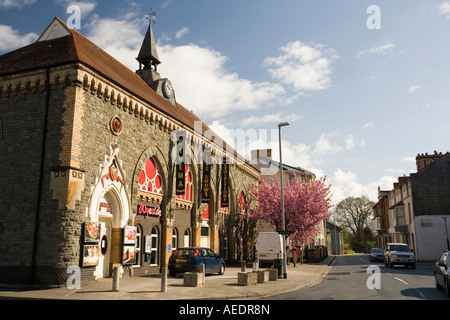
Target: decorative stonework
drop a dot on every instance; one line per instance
(67, 184)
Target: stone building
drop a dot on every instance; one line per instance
(417, 210)
(101, 166)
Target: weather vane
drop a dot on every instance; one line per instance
(150, 18)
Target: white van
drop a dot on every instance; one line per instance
(269, 249)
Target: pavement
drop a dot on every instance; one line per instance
(216, 287)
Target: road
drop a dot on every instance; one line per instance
(348, 278)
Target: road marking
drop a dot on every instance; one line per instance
(400, 280)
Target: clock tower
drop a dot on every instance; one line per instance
(148, 68)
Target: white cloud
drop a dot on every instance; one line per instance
(120, 38)
(349, 143)
(15, 3)
(179, 34)
(10, 39)
(409, 159)
(381, 49)
(444, 8)
(324, 146)
(344, 184)
(304, 67)
(413, 89)
(369, 125)
(269, 118)
(203, 84)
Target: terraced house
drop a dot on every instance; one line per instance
(102, 166)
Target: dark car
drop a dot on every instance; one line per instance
(189, 260)
(442, 272)
(376, 254)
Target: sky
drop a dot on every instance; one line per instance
(364, 85)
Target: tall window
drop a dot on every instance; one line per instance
(138, 245)
(175, 239)
(150, 179)
(188, 195)
(186, 238)
(154, 247)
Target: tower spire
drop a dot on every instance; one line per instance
(148, 55)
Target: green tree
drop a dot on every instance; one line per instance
(355, 214)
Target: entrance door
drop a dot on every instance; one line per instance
(103, 268)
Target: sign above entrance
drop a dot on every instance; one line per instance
(144, 210)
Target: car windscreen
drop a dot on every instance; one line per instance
(400, 248)
(186, 252)
(377, 250)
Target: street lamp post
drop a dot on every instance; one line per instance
(283, 124)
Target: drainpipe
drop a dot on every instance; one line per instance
(41, 179)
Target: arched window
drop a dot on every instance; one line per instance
(188, 195)
(150, 179)
(241, 208)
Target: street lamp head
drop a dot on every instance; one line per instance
(283, 124)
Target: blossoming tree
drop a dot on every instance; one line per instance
(306, 205)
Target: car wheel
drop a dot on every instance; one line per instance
(222, 270)
(413, 266)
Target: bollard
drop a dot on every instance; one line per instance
(116, 275)
(164, 279)
(243, 266)
(255, 266)
(203, 273)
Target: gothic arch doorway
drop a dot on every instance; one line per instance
(109, 210)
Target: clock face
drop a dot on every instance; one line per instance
(167, 89)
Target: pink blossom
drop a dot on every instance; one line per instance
(306, 205)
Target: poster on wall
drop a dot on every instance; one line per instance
(129, 235)
(129, 255)
(91, 232)
(148, 244)
(90, 255)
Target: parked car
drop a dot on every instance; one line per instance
(376, 254)
(442, 272)
(189, 260)
(399, 254)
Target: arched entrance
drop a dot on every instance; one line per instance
(110, 207)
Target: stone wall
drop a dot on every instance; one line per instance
(79, 140)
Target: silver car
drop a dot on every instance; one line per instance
(399, 254)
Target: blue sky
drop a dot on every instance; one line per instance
(362, 103)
